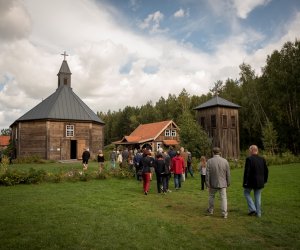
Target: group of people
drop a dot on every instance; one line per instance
(164, 163)
(215, 173)
(86, 156)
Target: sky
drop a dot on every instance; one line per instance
(128, 52)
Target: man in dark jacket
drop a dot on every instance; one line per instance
(255, 177)
(85, 158)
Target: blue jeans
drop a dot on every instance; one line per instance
(177, 180)
(253, 206)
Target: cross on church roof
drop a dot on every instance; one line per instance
(64, 54)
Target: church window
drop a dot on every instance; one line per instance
(65, 81)
(69, 130)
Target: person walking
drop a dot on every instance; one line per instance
(85, 158)
(255, 177)
(136, 162)
(125, 155)
(202, 170)
(189, 167)
(184, 155)
(171, 152)
(217, 180)
(100, 159)
(146, 164)
(177, 167)
(168, 168)
(161, 175)
(120, 158)
(113, 158)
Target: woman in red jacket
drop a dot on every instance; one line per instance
(177, 167)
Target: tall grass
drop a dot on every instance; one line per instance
(114, 214)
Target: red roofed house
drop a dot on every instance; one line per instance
(157, 134)
(4, 141)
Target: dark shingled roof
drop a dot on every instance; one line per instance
(62, 104)
(217, 101)
(64, 68)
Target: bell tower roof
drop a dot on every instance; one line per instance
(64, 74)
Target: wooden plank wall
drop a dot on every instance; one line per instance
(32, 139)
(225, 137)
(47, 139)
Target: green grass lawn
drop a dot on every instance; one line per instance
(114, 214)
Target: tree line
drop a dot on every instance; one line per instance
(269, 114)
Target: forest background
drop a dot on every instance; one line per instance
(269, 114)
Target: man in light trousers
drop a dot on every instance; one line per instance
(217, 180)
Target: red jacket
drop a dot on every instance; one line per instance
(177, 165)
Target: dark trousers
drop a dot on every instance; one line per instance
(168, 177)
(137, 175)
(161, 181)
(202, 182)
(189, 169)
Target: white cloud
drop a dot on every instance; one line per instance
(99, 48)
(152, 23)
(244, 7)
(235, 8)
(181, 13)
(291, 31)
(14, 20)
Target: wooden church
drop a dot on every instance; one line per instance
(60, 127)
(220, 119)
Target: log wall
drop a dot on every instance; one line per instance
(225, 132)
(48, 140)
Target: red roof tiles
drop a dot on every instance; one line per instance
(4, 140)
(147, 132)
(150, 130)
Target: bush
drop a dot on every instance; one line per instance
(30, 159)
(14, 177)
(276, 159)
(36, 176)
(283, 158)
(4, 164)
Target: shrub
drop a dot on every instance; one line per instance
(283, 158)
(57, 177)
(4, 164)
(29, 159)
(121, 173)
(35, 176)
(103, 175)
(13, 177)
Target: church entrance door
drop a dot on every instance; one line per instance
(73, 149)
